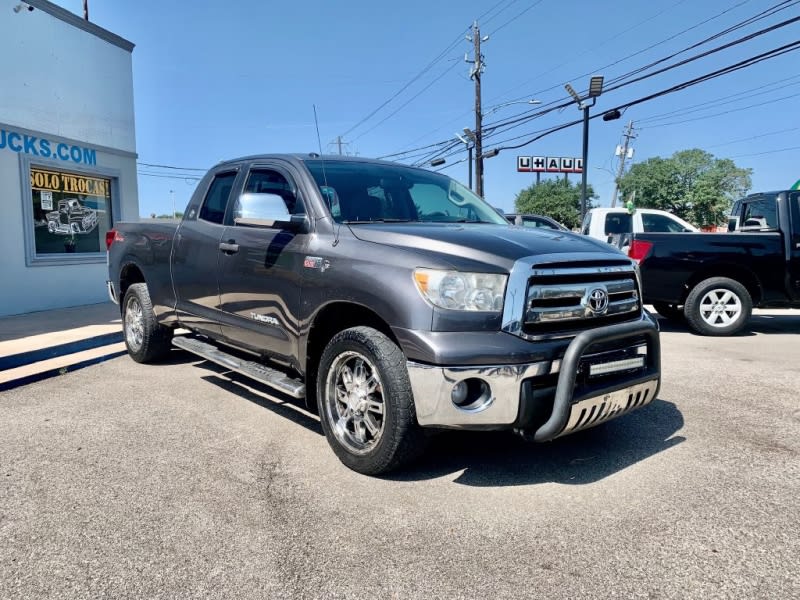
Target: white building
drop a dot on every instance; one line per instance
(67, 154)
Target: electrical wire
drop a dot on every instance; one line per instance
(506, 125)
(592, 49)
(407, 102)
(767, 152)
(144, 164)
(754, 137)
(748, 62)
(493, 127)
(719, 114)
(590, 72)
(728, 99)
(512, 19)
(414, 79)
(186, 178)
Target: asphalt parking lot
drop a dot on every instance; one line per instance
(180, 481)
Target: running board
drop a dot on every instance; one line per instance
(271, 377)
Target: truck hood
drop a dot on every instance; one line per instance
(462, 243)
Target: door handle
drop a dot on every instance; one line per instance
(229, 247)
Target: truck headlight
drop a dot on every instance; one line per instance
(462, 291)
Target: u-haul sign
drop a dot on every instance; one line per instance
(549, 164)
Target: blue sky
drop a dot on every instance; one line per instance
(214, 81)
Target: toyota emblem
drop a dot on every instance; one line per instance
(597, 301)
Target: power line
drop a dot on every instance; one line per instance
(685, 61)
(414, 150)
(406, 103)
(144, 164)
(767, 152)
(497, 13)
(512, 19)
(755, 137)
(184, 177)
(719, 114)
(748, 62)
(598, 69)
(643, 50)
(511, 123)
(416, 77)
(728, 99)
(749, 21)
(593, 48)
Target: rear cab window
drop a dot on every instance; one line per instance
(760, 213)
(656, 223)
(216, 200)
(619, 223)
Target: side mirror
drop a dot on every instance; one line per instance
(263, 210)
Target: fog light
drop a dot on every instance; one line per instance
(459, 393)
(471, 394)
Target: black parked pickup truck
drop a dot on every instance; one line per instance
(715, 279)
(391, 299)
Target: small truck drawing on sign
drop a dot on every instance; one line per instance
(71, 218)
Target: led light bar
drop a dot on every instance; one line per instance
(615, 366)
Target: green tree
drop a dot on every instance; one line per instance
(691, 184)
(555, 198)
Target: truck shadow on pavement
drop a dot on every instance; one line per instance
(766, 324)
(492, 459)
(262, 395)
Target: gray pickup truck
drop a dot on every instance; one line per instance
(392, 299)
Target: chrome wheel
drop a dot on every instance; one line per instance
(720, 307)
(134, 324)
(354, 402)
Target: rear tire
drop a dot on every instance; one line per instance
(718, 306)
(365, 402)
(669, 311)
(145, 339)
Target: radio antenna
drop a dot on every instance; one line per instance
(324, 174)
(319, 143)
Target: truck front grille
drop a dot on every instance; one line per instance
(563, 297)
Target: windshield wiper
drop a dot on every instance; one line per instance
(360, 222)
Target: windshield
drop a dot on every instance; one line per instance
(362, 192)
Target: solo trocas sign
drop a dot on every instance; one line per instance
(71, 211)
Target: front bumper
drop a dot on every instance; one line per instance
(544, 399)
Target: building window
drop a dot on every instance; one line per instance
(71, 211)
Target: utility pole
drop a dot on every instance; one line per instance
(340, 145)
(475, 74)
(86, 10)
(623, 156)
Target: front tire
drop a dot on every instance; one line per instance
(718, 306)
(365, 402)
(145, 339)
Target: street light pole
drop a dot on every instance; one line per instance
(595, 89)
(585, 158)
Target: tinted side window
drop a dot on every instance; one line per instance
(267, 181)
(794, 203)
(213, 208)
(660, 223)
(619, 223)
(761, 214)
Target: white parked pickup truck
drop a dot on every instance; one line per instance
(605, 223)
